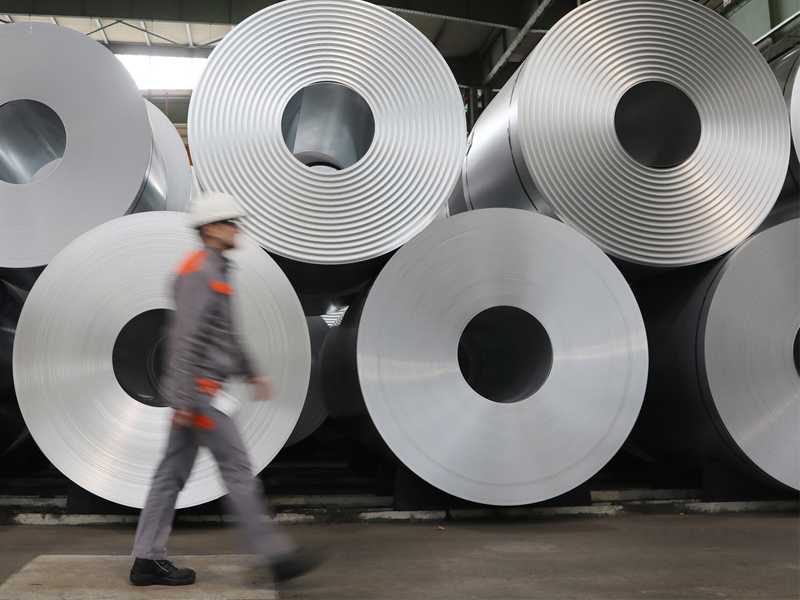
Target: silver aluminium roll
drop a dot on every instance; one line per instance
(725, 362)
(485, 369)
(314, 412)
(75, 141)
(69, 386)
(170, 174)
(654, 127)
(786, 70)
(358, 190)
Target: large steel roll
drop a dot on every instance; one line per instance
(725, 359)
(87, 356)
(786, 71)
(75, 141)
(170, 172)
(341, 129)
(10, 308)
(314, 412)
(654, 127)
(500, 355)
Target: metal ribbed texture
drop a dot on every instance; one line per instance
(694, 194)
(724, 375)
(107, 141)
(75, 407)
(484, 369)
(329, 217)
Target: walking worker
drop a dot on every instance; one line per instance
(203, 350)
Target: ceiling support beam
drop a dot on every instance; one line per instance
(514, 43)
(102, 31)
(146, 34)
(189, 35)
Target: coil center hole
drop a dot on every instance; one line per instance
(796, 352)
(138, 357)
(33, 140)
(328, 126)
(657, 124)
(505, 354)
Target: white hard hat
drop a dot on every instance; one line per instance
(210, 207)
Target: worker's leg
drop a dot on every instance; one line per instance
(245, 492)
(155, 521)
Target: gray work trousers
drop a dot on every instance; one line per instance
(245, 493)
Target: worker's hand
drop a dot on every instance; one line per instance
(263, 387)
(181, 419)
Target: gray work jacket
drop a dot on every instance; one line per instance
(202, 346)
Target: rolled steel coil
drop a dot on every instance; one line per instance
(654, 127)
(314, 412)
(175, 173)
(500, 356)
(10, 308)
(77, 146)
(786, 71)
(725, 360)
(87, 347)
(341, 129)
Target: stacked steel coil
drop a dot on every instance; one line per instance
(63, 168)
(95, 415)
(341, 129)
(499, 354)
(725, 359)
(786, 71)
(654, 127)
(314, 412)
(483, 368)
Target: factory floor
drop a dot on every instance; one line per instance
(637, 556)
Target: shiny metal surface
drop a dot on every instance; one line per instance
(175, 174)
(748, 350)
(673, 197)
(724, 375)
(329, 217)
(73, 404)
(105, 155)
(786, 71)
(484, 368)
(32, 137)
(314, 412)
(10, 307)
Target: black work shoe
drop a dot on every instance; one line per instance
(296, 564)
(160, 572)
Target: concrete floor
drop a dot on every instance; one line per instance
(659, 556)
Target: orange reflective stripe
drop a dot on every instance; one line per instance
(203, 422)
(192, 263)
(222, 288)
(207, 386)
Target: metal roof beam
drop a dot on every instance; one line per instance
(500, 13)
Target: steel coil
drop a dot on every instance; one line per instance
(10, 308)
(654, 127)
(339, 126)
(314, 412)
(76, 143)
(725, 359)
(87, 347)
(786, 70)
(500, 355)
(174, 173)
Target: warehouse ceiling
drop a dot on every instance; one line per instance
(483, 42)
